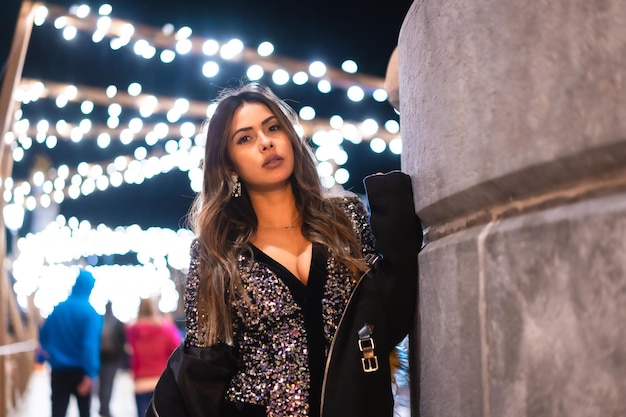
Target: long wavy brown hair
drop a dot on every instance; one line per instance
(224, 224)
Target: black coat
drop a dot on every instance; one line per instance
(378, 316)
(384, 302)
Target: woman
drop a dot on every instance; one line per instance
(151, 340)
(273, 269)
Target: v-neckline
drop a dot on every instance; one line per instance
(274, 264)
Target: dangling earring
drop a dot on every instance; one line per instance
(236, 185)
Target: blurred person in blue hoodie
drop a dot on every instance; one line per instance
(71, 337)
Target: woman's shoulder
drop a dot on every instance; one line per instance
(350, 203)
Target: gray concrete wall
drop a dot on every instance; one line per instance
(513, 118)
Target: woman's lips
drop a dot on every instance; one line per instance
(272, 161)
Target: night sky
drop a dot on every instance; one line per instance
(331, 31)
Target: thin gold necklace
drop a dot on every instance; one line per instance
(288, 227)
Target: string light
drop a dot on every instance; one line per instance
(148, 105)
(255, 72)
(177, 156)
(167, 40)
(47, 269)
(182, 143)
(395, 146)
(355, 93)
(265, 49)
(349, 66)
(210, 69)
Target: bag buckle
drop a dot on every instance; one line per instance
(369, 361)
(371, 259)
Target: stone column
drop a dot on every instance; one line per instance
(513, 116)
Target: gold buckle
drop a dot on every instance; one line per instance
(366, 345)
(370, 364)
(369, 361)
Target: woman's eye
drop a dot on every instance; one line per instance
(243, 139)
(274, 128)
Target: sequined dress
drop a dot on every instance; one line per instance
(283, 348)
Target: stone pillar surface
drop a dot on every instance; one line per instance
(513, 118)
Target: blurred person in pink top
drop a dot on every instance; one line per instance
(151, 340)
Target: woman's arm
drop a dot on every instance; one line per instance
(398, 235)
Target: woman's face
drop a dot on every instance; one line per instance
(259, 148)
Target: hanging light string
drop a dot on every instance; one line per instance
(180, 139)
(46, 258)
(326, 134)
(47, 262)
(147, 41)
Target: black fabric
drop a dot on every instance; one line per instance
(63, 385)
(385, 298)
(194, 382)
(231, 409)
(398, 233)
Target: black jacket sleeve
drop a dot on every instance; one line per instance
(398, 235)
(382, 308)
(194, 381)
